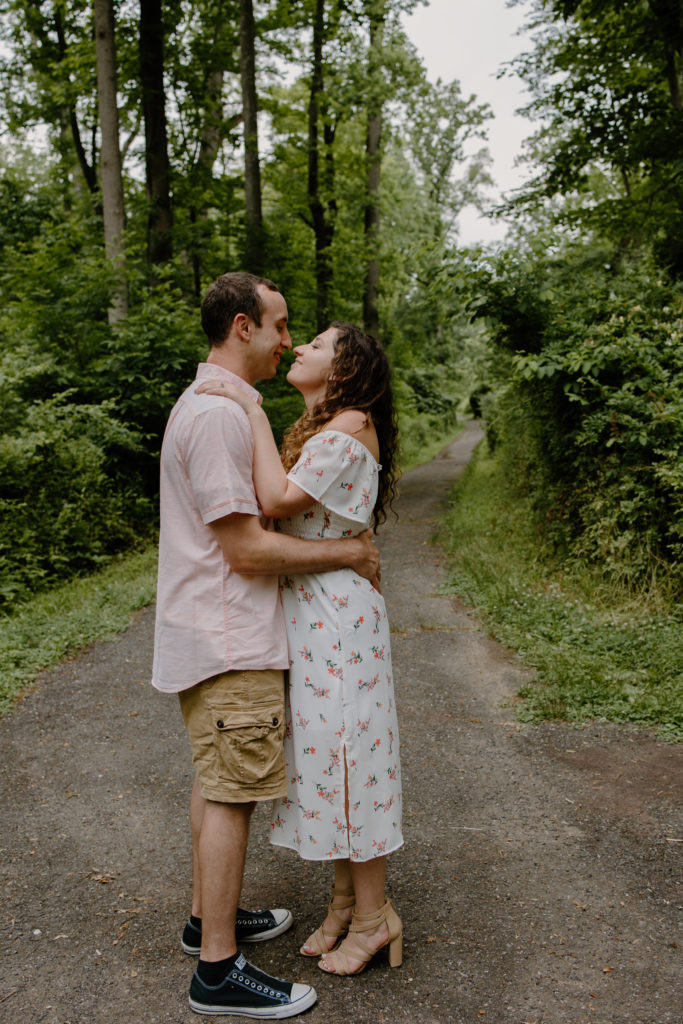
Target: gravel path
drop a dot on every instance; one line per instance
(540, 882)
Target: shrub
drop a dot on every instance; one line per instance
(592, 425)
(66, 506)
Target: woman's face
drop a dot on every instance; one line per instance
(312, 364)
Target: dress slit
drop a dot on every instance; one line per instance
(346, 799)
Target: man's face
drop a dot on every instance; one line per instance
(268, 342)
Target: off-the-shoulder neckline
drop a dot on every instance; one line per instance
(343, 433)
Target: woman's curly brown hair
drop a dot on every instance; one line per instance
(360, 378)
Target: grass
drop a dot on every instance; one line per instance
(600, 653)
(61, 621)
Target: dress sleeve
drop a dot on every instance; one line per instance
(338, 472)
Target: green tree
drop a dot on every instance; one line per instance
(606, 82)
(48, 78)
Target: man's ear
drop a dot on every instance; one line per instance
(242, 326)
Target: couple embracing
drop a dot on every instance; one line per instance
(324, 749)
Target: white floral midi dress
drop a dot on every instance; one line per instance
(341, 717)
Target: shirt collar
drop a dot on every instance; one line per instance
(209, 371)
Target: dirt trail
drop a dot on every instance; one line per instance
(540, 882)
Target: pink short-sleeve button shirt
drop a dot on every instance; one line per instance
(209, 619)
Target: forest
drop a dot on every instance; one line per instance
(150, 146)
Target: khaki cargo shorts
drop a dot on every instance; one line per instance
(236, 726)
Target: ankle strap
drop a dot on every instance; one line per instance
(369, 919)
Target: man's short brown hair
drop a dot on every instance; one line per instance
(233, 293)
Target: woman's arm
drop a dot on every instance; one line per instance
(277, 495)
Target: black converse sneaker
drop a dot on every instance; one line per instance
(248, 992)
(251, 926)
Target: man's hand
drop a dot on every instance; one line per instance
(250, 550)
(364, 557)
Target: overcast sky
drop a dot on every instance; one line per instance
(470, 41)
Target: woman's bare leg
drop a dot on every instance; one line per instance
(369, 879)
(343, 882)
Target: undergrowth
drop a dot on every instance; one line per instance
(600, 652)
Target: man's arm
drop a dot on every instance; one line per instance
(251, 550)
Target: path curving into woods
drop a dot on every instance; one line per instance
(540, 882)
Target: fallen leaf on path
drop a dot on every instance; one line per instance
(103, 879)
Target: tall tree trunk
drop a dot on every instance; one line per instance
(669, 17)
(210, 138)
(157, 168)
(372, 220)
(254, 242)
(373, 154)
(322, 220)
(111, 172)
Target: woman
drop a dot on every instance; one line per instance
(341, 746)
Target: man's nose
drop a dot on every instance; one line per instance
(286, 339)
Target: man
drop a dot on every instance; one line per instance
(220, 641)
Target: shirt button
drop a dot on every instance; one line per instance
(219, 723)
(275, 721)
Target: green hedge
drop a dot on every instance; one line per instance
(589, 413)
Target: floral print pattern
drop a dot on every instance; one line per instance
(341, 718)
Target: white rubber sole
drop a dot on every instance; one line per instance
(303, 997)
(280, 927)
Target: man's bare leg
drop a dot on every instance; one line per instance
(197, 804)
(222, 850)
(235, 986)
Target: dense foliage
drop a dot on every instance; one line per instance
(591, 412)
(606, 84)
(585, 383)
(345, 189)
(137, 175)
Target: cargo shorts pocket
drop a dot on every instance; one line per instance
(249, 742)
